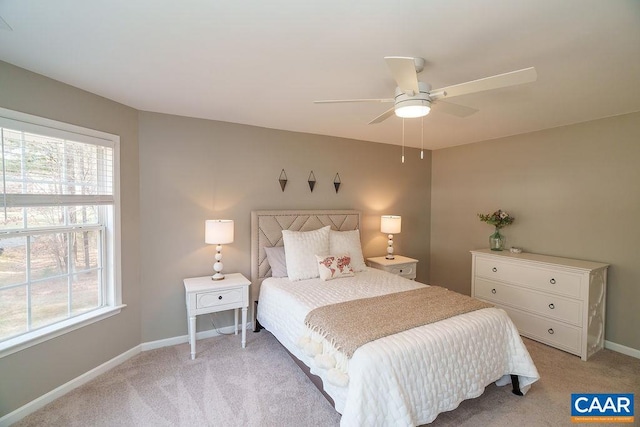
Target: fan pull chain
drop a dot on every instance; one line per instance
(422, 138)
(403, 140)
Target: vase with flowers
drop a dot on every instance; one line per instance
(498, 219)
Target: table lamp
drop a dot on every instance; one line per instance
(390, 224)
(218, 232)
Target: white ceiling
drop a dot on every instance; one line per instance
(263, 63)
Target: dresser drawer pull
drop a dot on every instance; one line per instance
(552, 281)
(493, 291)
(551, 306)
(495, 270)
(220, 297)
(551, 332)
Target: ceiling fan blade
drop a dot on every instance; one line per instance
(404, 72)
(454, 109)
(334, 101)
(513, 78)
(384, 116)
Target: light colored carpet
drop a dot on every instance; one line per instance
(261, 386)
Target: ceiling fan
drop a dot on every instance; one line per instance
(414, 98)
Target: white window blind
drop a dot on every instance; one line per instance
(40, 170)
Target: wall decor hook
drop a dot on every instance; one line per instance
(283, 179)
(336, 182)
(312, 181)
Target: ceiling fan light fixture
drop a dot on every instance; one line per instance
(413, 105)
(413, 108)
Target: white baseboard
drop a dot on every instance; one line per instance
(622, 349)
(45, 399)
(152, 345)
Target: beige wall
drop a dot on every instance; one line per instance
(30, 373)
(574, 191)
(192, 170)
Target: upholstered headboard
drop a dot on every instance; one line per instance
(267, 226)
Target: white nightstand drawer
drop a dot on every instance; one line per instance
(219, 298)
(538, 278)
(404, 270)
(547, 331)
(548, 305)
(400, 265)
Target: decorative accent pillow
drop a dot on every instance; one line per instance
(301, 248)
(334, 266)
(348, 242)
(277, 261)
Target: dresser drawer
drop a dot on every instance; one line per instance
(547, 305)
(219, 298)
(547, 331)
(555, 281)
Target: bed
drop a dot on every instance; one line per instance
(406, 378)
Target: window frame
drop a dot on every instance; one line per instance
(112, 233)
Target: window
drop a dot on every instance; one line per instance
(59, 237)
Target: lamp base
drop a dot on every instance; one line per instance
(390, 248)
(217, 267)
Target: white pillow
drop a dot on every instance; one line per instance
(348, 242)
(334, 266)
(301, 248)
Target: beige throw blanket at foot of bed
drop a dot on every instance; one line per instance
(334, 332)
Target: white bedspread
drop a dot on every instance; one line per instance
(408, 378)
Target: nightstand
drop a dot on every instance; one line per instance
(401, 265)
(204, 295)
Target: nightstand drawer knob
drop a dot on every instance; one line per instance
(551, 331)
(493, 291)
(551, 306)
(495, 270)
(552, 281)
(220, 297)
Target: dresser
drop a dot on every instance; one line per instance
(400, 265)
(557, 301)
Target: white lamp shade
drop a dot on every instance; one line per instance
(390, 224)
(218, 231)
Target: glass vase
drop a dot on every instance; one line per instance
(496, 241)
